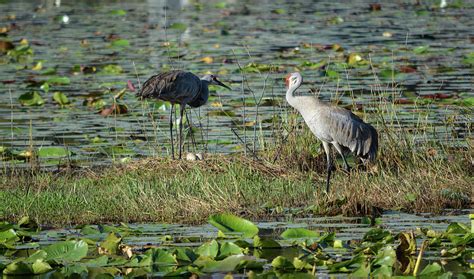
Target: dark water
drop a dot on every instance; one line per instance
(413, 62)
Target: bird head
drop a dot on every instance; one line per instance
(293, 79)
(212, 79)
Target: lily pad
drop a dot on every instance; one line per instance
(226, 265)
(231, 223)
(120, 43)
(209, 249)
(60, 98)
(119, 12)
(111, 70)
(24, 268)
(299, 233)
(59, 80)
(178, 26)
(31, 99)
(66, 251)
(53, 152)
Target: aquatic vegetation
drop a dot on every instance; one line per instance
(110, 250)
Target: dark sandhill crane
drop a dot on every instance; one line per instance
(333, 125)
(179, 87)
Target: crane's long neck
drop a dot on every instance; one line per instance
(290, 97)
(203, 95)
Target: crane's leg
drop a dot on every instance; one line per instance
(346, 165)
(181, 114)
(327, 149)
(339, 150)
(171, 130)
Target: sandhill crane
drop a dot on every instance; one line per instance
(333, 125)
(179, 87)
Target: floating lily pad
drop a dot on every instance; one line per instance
(226, 265)
(60, 98)
(31, 99)
(209, 249)
(66, 251)
(59, 80)
(421, 49)
(178, 26)
(112, 69)
(24, 268)
(299, 233)
(231, 223)
(53, 152)
(119, 12)
(120, 43)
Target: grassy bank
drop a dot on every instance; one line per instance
(162, 190)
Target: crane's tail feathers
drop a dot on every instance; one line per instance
(148, 87)
(374, 145)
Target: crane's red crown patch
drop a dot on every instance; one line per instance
(287, 80)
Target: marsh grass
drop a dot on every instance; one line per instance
(163, 190)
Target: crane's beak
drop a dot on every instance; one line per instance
(218, 82)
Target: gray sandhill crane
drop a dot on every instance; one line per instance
(179, 87)
(333, 125)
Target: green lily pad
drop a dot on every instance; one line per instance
(279, 11)
(60, 98)
(111, 243)
(178, 26)
(24, 268)
(220, 5)
(112, 70)
(31, 99)
(161, 256)
(281, 262)
(120, 43)
(231, 223)
(119, 12)
(299, 233)
(45, 87)
(421, 49)
(66, 251)
(226, 265)
(431, 270)
(229, 248)
(209, 249)
(265, 242)
(59, 80)
(53, 152)
(469, 59)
